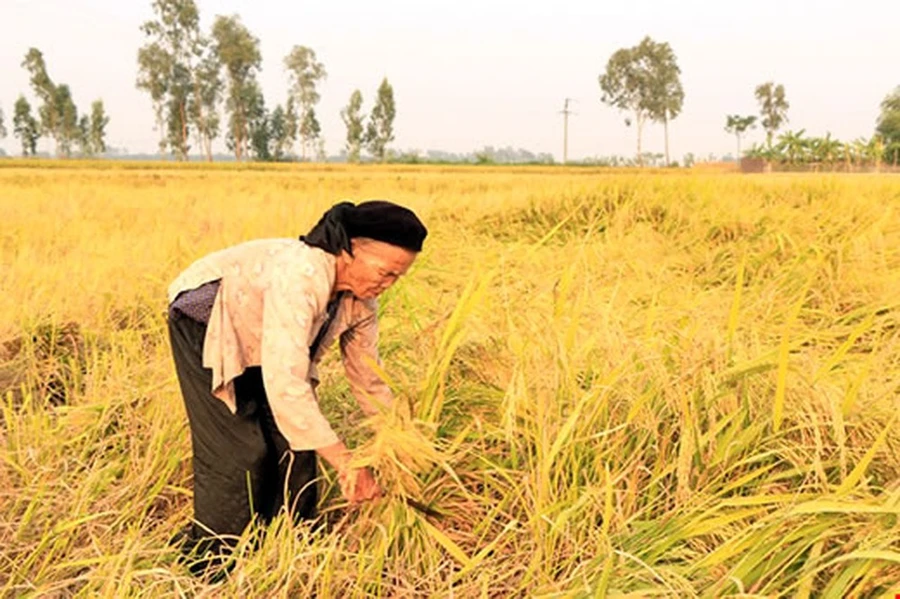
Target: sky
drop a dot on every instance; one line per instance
(473, 73)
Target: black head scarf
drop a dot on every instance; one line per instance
(377, 219)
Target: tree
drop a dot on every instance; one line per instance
(3, 131)
(278, 133)
(25, 127)
(310, 130)
(258, 123)
(59, 115)
(96, 132)
(737, 125)
(82, 139)
(283, 131)
(175, 47)
(45, 90)
(204, 102)
(238, 51)
(632, 83)
(153, 70)
(305, 73)
(291, 125)
(667, 94)
(68, 131)
(257, 134)
(888, 126)
(352, 117)
(178, 119)
(773, 108)
(380, 128)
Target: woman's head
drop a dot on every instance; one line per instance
(384, 221)
(375, 242)
(372, 267)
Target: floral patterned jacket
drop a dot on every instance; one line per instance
(272, 301)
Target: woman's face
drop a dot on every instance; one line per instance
(374, 267)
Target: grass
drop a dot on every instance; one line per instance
(624, 384)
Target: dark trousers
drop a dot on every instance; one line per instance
(244, 469)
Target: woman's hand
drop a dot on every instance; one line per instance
(359, 484)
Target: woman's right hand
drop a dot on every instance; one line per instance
(359, 484)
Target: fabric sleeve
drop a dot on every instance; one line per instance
(289, 310)
(359, 349)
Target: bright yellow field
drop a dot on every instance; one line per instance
(657, 384)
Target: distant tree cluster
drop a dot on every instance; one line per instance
(647, 159)
(378, 132)
(509, 155)
(57, 116)
(487, 155)
(190, 76)
(644, 81)
(793, 148)
(888, 126)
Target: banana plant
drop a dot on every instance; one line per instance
(825, 150)
(875, 150)
(764, 152)
(892, 153)
(793, 146)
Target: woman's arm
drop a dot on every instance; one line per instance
(359, 351)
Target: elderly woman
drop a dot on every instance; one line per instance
(248, 325)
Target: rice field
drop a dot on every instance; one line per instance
(609, 384)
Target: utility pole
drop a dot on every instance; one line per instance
(566, 112)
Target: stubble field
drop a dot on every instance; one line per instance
(620, 384)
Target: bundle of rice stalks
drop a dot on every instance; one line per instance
(406, 527)
(400, 451)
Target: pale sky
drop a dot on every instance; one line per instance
(472, 73)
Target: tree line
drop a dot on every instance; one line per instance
(191, 75)
(57, 116)
(794, 148)
(194, 78)
(645, 81)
